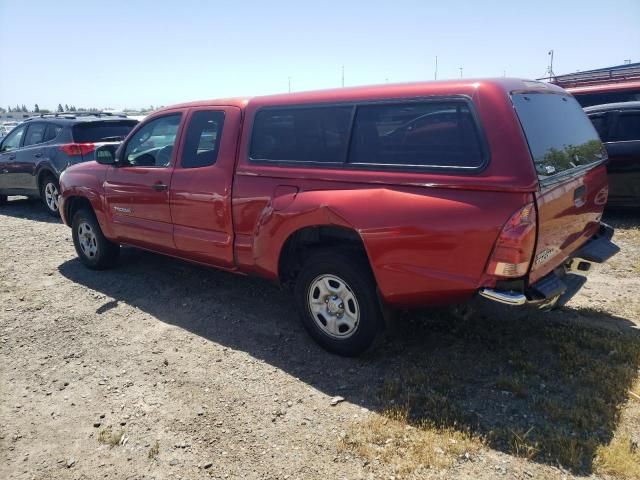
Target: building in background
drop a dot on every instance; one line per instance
(620, 83)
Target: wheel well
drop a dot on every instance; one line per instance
(44, 173)
(73, 204)
(303, 241)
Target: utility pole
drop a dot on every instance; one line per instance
(435, 73)
(342, 76)
(289, 79)
(460, 72)
(551, 74)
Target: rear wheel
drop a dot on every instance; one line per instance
(3, 199)
(50, 193)
(93, 248)
(336, 298)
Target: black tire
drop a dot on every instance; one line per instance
(50, 184)
(353, 270)
(92, 247)
(3, 199)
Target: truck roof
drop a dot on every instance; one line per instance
(399, 90)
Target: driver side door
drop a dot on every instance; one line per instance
(8, 154)
(137, 188)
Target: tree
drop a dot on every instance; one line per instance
(9, 109)
(24, 108)
(73, 108)
(60, 109)
(66, 107)
(18, 108)
(36, 108)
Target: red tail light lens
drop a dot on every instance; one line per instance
(76, 149)
(512, 253)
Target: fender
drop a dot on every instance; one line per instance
(86, 180)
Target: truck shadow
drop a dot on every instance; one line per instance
(548, 387)
(27, 208)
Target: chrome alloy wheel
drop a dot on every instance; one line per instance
(333, 306)
(87, 240)
(51, 196)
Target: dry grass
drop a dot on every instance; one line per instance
(620, 458)
(108, 437)
(154, 450)
(541, 389)
(407, 449)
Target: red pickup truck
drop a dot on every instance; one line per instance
(360, 198)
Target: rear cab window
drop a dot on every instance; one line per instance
(102, 131)
(561, 137)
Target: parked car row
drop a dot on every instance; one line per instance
(360, 199)
(36, 152)
(618, 125)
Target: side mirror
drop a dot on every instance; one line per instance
(106, 154)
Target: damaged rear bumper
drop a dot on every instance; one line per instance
(559, 286)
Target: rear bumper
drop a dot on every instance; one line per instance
(559, 286)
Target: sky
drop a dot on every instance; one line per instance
(132, 54)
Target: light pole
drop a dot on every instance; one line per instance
(289, 79)
(342, 76)
(435, 73)
(460, 72)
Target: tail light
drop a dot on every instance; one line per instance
(76, 149)
(512, 253)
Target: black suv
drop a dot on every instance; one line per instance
(36, 152)
(618, 125)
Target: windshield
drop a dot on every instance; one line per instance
(105, 131)
(559, 133)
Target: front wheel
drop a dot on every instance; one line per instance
(93, 248)
(50, 194)
(335, 294)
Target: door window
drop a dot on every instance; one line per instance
(152, 145)
(13, 139)
(602, 125)
(52, 132)
(35, 134)
(202, 139)
(627, 127)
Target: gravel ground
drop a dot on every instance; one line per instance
(162, 369)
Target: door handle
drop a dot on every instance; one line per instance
(38, 155)
(159, 187)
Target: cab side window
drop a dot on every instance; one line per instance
(35, 134)
(202, 139)
(152, 145)
(12, 141)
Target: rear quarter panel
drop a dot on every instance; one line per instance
(425, 245)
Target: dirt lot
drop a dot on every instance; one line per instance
(161, 369)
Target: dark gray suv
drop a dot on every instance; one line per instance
(36, 152)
